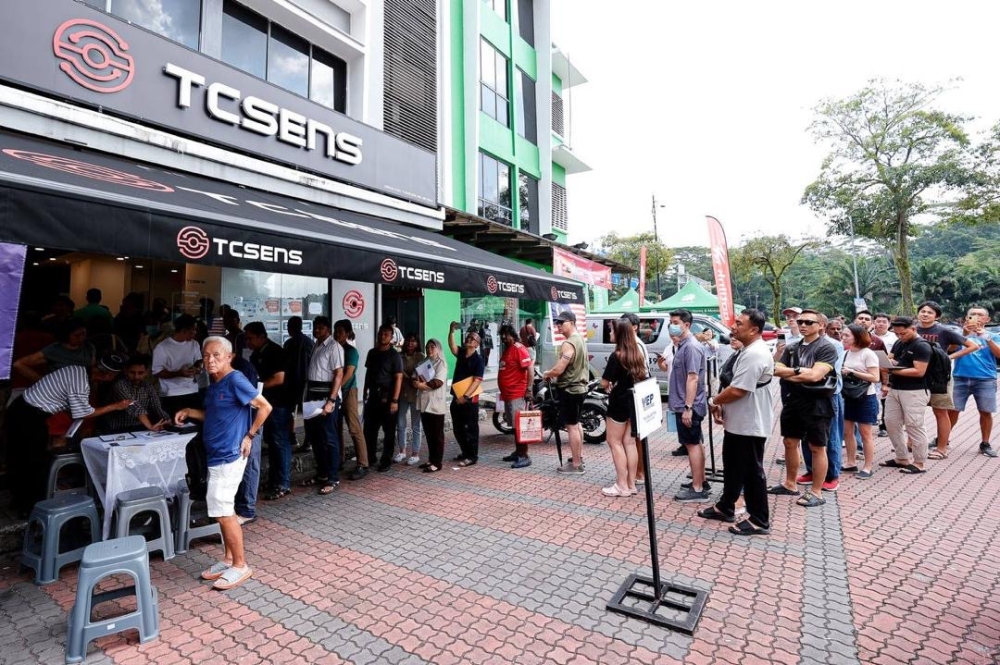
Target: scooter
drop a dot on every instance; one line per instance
(593, 413)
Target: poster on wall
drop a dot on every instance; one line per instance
(355, 301)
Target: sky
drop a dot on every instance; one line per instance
(706, 105)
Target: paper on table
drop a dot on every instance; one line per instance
(312, 409)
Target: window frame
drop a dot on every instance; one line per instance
(490, 95)
(526, 121)
(502, 213)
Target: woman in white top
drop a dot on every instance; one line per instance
(432, 402)
(860, 363)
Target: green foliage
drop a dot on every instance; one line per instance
(625, 250)
(768, 258)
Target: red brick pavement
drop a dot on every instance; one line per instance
(917, 555)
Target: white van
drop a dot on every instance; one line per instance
(653, 332)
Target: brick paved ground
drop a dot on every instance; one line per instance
(492, 565)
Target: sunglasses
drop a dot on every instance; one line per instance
(806, 322)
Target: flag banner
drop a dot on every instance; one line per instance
(642, 275)
(720, 268)
(581, 320)
(11, 273)
(567, 264)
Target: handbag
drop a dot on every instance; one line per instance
(528, 426)
(855, 388)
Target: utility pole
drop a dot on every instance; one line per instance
(656, 237)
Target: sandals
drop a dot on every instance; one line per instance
(781, 490)
(312, 482)
(810, 500)
(232, 578)
(216, 571)
(614, 490)
(274, 495)
(937, 454)
(711, 513)
(328, 488)
(912, 469)
(748, 528)
(430, 468)
(892, 464)
(467, 462)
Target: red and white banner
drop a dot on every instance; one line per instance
(581, 320)
(567, 264)
(720, 268)
(642, 275)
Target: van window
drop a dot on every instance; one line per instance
(650, 329)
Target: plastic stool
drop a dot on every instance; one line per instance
(59, 462)
(52, 515)
(121, 556)
(146, 500)
(185, 532)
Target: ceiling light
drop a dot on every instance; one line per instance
(174, 270)
(39, 249)
(35, 263)
(139, 267)
(52, 258)
(119, 259)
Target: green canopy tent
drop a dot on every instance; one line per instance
(627, 303)
(694, 298)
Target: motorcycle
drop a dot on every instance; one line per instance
(593, 413)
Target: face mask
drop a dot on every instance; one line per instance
(152, 331)
(675, 331)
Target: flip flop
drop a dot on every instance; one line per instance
(312, 482)
(810, 500)
(430, 468)
(233, 577)
(937, 454)
(467, 462)
(892, 464)
(781, 490)
(748, 528)
(711, 513)
(216, 571)
(912, 469)
(328, 488)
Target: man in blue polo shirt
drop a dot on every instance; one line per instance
(975, 375)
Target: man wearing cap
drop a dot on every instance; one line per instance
(571, 374)
(26, 423)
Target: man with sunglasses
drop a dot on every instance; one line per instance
(808, 407)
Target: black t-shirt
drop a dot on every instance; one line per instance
(945, 336)
(468, 365)
(268, 361)
(905, 353)
(383, 366)
(800, 354)
(615, 372)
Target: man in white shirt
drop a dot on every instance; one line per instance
(176, 363)
(883, 331)
(323, 381)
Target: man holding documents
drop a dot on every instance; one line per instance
(466, 385)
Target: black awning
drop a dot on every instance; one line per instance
(59, 196)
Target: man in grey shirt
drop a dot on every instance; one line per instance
(745, 409)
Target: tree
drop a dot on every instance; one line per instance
(893, 159)
(625, 250)
(769, 257)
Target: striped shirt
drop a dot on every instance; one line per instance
(144, 400)
(327, 358)
(65, 389)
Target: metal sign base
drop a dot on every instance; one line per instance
(675, 607)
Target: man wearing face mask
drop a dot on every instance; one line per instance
(688, 401)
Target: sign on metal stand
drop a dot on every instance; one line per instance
(650, 599)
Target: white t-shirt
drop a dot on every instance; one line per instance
(862, 361)
(174, 356)
(751, 415)
(889, 338)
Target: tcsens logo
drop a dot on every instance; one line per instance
(194, 243)
(391, 270)
(93, 55)
(354, 304)
(88, 170)
(562, 295)
(493, 285)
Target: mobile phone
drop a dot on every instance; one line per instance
(781, 337)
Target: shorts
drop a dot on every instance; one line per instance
(943, 400)
(511, 407)
(983, 390)
(814, 430)
(570, 405)
(223, 482)
(863, 411)
(689, 436)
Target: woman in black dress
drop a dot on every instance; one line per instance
(626, 366)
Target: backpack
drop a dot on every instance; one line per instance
(530, 339)
(197, 468)
(938, 370)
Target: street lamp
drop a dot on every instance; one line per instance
(656, 238)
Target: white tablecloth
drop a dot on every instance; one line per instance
(142, 459)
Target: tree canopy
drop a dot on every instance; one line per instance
(769, 258)
(626, 249)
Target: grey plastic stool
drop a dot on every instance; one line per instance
(146, 500)
(185, 532)
(60, 462)
(51, 515)
(120, 556)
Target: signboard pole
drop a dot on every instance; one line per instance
(638, 590)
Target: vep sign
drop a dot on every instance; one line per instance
(193, 243)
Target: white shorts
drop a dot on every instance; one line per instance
(223, 482)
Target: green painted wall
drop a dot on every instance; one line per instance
(558, 174)
(496, 139)
(440, 309)
(557, 85)
(457, 111)
(495, 30)
(525, 57)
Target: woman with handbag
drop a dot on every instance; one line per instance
(626, 367)
(861, 373)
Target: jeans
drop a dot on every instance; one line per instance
(246, 495)
(404, 406)
(279, 448)
(743, 469)
(324, 435)
(465, 424)
(833, 443)
(378, 416)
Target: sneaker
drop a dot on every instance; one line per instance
(358, 473)
(509, 458)
(986, 449)
(681, 451)
(413, 461)
(883, 432)
(399, 457)
(521, 462)
(685, 486)
(804, 479)
(245, 520)
(569, 468)
(689, 495)
(831, 485)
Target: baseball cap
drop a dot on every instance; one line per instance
(112, 362)
(796, 310)
(565, 315)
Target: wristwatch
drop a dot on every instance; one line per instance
(798, 370)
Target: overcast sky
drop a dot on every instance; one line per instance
(707, 104)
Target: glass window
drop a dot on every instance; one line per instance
(494, 190)
(487, 65)
(526, 20)
(650, 329)
(498, 6)
(493, 86)
(328, 80)
(527, 124)
(244, 39)
(527, 198)
(177, 20)
(273, 298)
(288, 61)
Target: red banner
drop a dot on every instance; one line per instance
(642, 276)
(720, 268)
(567, 264)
